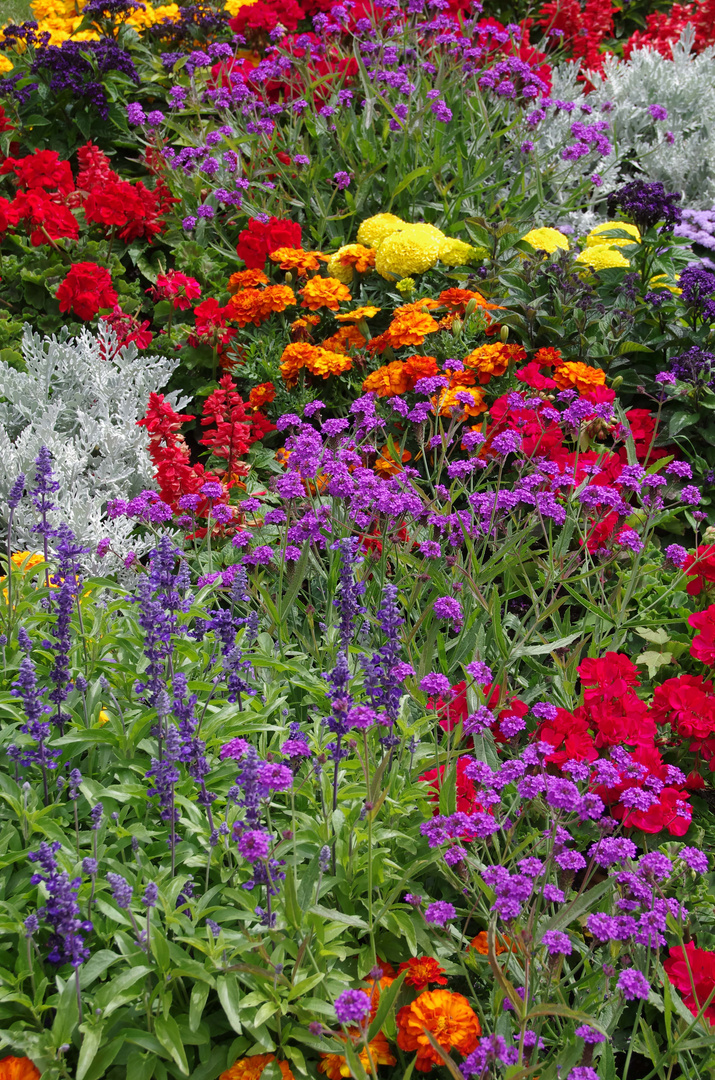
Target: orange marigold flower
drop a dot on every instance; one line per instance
(547, 357)
(368, 311)
(450, 1020)
(323, 362)
(391, 380)
(577, 376)
(261, 395)
(250, 1068)
(481, 945)
(257, 305)
(457, 300)
(335, 1066)
(491, 360)
(345, 337)
(316, 360)
(420, 367)
(359, 257)
(387, 466)
(409, 328)
(300, 328)
(297, 259)
(324, 292)
(446, 402)
(16, 1068)
(246, 279)
(421, 971)
(417, 305)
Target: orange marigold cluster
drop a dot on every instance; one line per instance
(480, 944)
(261, 395)
(446, 402)
(547, 357)
(257, 305)
(368, 311)
(250, 1068)
(345, 338)
(324, 292)
(457, 300)
(359, 257)
(575, 375)
(387, 466)
(246, 279)
(397, 378)
(297, 259)
(409, 327)
(15, 1068)
(313, 358)
(335, 1066)
(491, 360)
(450, 1020)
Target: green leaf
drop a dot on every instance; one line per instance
(168, 1034)
(573, 910)
(230, 997)
(339, 917)
(103, 1059)
(387, 1000)
(91, 1041)
(199, 994)
(654, 660)
(626, 347)
(67, 1014)
(680, 420)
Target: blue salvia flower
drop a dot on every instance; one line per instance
(61, 912)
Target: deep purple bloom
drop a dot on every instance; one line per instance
(439, 913)
(352, 1006)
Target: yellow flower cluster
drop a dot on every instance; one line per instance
(548, 240)
(61, 19)
(402, 249)
(602, 252)
(602, 257)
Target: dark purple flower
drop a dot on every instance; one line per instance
(352, 1006)
(61, 911)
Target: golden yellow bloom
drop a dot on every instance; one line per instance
(103, 717)
(455, 252)
(324, 292)
(412, 250)
(335, 1066)
(233, 6)
(357, 314)
(446, 403)
(250, 1068)
(660, 281)
(5, 64)
(374, 230)
(596, 238)
(548, 240)
(601, 257)
(577, 376)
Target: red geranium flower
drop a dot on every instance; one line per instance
(422, 970)
(85, 290)
(701, 566)
(257, 241)
(178, 288)
(694, 986)
(40, 170)
(702, 646)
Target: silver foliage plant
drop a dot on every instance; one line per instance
(81, 397)
(678, 151)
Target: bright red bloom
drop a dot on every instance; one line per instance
(688, 704)
(94, 168)
(700, 566)
(696, 985)
(466, 796)
(422, 970)
(40, 170)
(128, 329)
(702, 646)
(87, 288)
(234, 430)
(670, 810)
(531, 375)
(569, 735)
(264, 16)
(611, 676)
(451, 712)
(211, 325)
(49, 220)
(178, 287)
(257, 241)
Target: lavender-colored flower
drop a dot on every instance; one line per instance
(446, 607)
(658, 112)
(435, 684)
(121, 890)
(557, 943)
(151, 895)
(589, 1034)
(352, 1006)
(583, 1072)
(254, 844)
(694, 858)
(61, 911)
(646, 204)
(342, 180)
(135, 114)
(634, 984)
(439, 913)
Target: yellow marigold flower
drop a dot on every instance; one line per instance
(233, 6)
(493, 360)
(345, 338)
(5, 64)
(406, 286)
(596, 238)
(167, 11)
(246, 279)
(601, 257)
(26, 560)
(548, 240)
(256, 305)
(324, 292)
(412, 250)
(250, 1068)
(447, 1016)
(335, 1066)
(369, 311)
(455, 252)
(660, 281)
(103, 717)
(374, 230)
(348, 259)
(577, 376)
(296, 259)
(446, 402)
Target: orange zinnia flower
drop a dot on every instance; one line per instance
(15, 1068)
(256, 305)
(246, 279)
(577, 376)
(450, 1020)
(421, 971)
(262, 394)
(547, 357)
(250, 1068)
(297, 259)
(491, 360)
(387, 466)
(324, 292)
(369, 311)
(481, 945)
(344, 338)
(391, 380)
(335, 1066)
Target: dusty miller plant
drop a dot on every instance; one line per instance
(81, 397)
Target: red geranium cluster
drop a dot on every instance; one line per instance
(87, 288)
(257, 241)
(583, 29)
(701, 566)
(177, 287)
(128, 329)
(211, 329)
